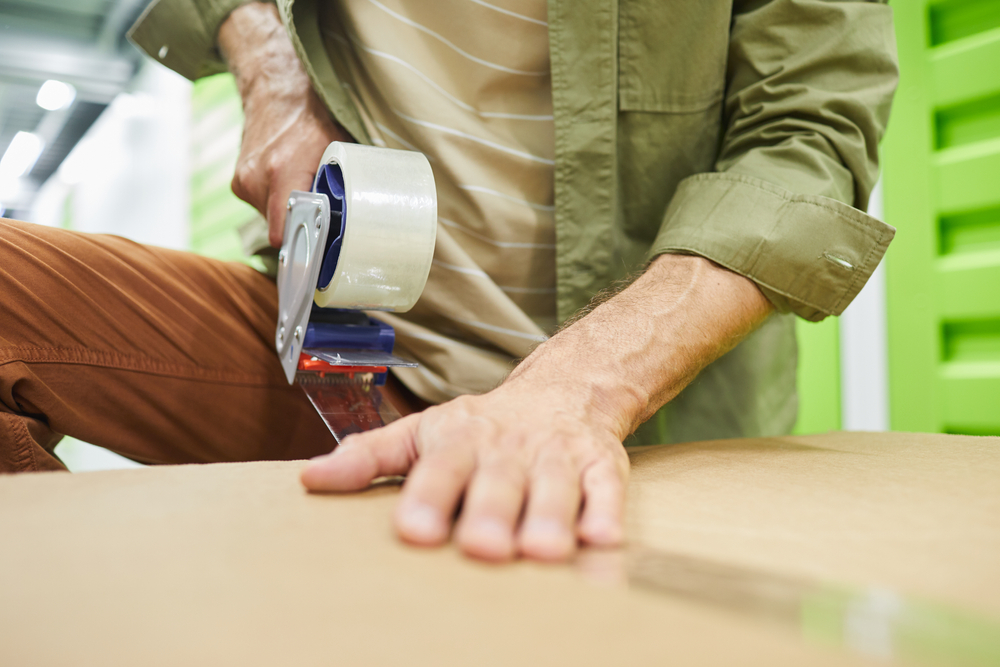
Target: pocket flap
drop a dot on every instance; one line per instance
(672, 54)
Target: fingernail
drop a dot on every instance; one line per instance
(603, 532)
(487, 538)
(491, 529)
(421, 522)
(545, 527)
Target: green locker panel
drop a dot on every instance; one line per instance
(818, 376)
(942, 193)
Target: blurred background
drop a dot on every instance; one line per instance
(96, 137)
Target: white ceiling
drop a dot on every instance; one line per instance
(77, 41)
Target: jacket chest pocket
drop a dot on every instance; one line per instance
(672, 54)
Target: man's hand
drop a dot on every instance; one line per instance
(537, 464)
(520, 447)
(286, 126)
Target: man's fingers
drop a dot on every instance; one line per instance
(249, 186)
(281, 185)
(603, 504)
(277, 207)
(432, 491)
(548, 531)
(363, 457)
(491, 509)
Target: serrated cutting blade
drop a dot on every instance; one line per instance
(347, 405)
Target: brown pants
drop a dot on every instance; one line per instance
(159, 355)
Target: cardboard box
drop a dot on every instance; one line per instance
(234, 564)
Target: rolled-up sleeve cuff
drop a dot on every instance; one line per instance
(181, 34)
(810, 255)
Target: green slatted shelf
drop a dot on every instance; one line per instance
(951, 65)
(972, 291)
(942, 192)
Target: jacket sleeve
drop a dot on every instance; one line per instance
(809, 86)
(181, 34)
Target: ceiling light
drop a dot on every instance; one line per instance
(21, 155)
(55, 95)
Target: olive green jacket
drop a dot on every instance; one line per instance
(744, 132)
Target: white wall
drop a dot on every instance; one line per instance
(864, 357)
(130, 174)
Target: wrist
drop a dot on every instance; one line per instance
(638, 349)
(570, 375)
(259, 53)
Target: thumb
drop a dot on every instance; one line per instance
(362, 457)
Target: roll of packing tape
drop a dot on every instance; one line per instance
(385, 205)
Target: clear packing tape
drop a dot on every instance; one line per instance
(362, 240)
(387, 209)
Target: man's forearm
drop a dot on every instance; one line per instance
(286, 125)
(639, 349)
(253, 41)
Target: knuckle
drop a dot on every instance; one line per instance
(272, 169)
(467, 429)
(606, 468)
(505, 470)
(555, 461)
(237, 185)
(449, 417)
(620, 460)
(243, 183)
(463, 404)
(609, 452)
(443, 469)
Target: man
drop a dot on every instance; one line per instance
(716, 148)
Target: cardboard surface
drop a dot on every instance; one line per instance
(918, 513)
(235, 564)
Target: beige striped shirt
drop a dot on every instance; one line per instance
(466, 82)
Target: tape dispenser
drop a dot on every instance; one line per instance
(361, 240)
